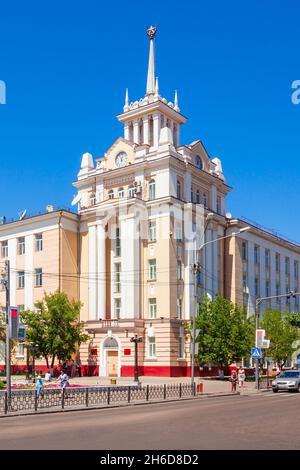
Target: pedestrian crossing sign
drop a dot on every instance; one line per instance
(256, 353)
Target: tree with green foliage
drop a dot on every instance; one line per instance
(283, 335)
(225, 333)
(55, 332)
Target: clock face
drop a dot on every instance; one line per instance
(198, 162)
(121, 159)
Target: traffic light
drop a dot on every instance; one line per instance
(13, 322)
(22, 333)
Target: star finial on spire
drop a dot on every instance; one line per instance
(151, 31)
(150, 89)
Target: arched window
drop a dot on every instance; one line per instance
(178, 190)
(204, 200)
(121, 192)
(151, 190)
(131, 191)
(92, 199)
(111, 194)
(198, 162)
(198, 196)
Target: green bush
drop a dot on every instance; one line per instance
(2, 385)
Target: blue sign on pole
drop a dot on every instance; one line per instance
(256, 353)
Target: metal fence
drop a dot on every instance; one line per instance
(23, 401)
(265, 384)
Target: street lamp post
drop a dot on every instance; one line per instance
(196, 270)
(136, 340)
(258, 301)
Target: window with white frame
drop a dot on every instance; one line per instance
(92, 199)
(151, 346)
(179, 270)
(267, 288)
(218, 205)
(179, 309)
(131, 191)
(244, 251)
(277, 289)
(256, 287)
(267, 258)
(198, 200)
(277, 262)
(111, 194)
(178, 190)
(21, 246)
(152, 190)
(38, 277)
(152, 308)
(205, 200)
(117, 310)
(296, 269)
(181, 347)
(287, 266)
(152, 269)
(4, 249)
(39, 242)
(21, 279)
(118, 242)
(121, 192)
(117, 278)
(245, 282)
(179, 232)
(152, 231)
(20, 350)
(256, 254)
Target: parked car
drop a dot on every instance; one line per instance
(288, 381)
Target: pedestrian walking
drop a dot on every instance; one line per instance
(48, 376)
(73, 369)
(39, 386)
(241, 377)
(234, 379)
(64, 381)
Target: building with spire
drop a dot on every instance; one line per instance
(134, 255)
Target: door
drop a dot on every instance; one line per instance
(112, 363)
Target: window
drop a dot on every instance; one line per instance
(21, 279)
(296, 269)
(4, 249)
(204, 200)
(179, 232)
(277, 262)
(92, 199)
(267, 259)
(131, 191)
(267, 288)
(277, 289)
(38, 277)
(151, 190)
(117, 278)
(111, 194)
(192, 194)
(256, 254)
(287, 266)
(244, 251)
(256, 287)
(121, 192)
(244, 282)
(178, 190)
(152, 230)
(218, 205)
(152, 308)
(198, 197)
(118, 242)
(151, 343)
(179, 270)
(20, 350)
(180, 347)
(21, 246)
(179, 309)
(117, 311)
(152, 269)
(39, 242)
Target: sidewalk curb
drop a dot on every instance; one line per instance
(119, 405)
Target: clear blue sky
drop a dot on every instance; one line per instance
(67, 64)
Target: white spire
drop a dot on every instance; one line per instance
(156, 88)
(151, 64)
(126, 106)
(176, 107)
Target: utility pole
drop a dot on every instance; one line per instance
(6, 282)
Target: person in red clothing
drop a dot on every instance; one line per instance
(234, 379)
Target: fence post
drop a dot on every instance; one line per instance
(180, 390)
(147, 393)
(128, 393)
(165, 391)
(194, 389)
(35, 400)
(87, 397)
(108, 395)
(5, 404)
(63, 399)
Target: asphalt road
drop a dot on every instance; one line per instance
(265, 421)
